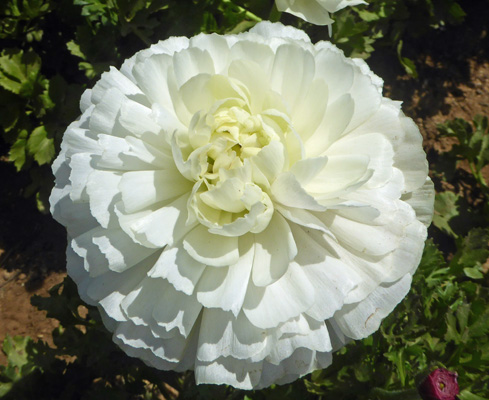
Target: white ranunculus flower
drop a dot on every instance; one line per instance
(242, 205)
(315, 11)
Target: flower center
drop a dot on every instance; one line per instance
(221, 146)
(236, 135)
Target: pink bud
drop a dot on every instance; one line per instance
(441, 384)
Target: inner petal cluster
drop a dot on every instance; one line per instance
(220, 153)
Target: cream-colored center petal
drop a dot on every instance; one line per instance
(220, 152)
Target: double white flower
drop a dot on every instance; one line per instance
(242, 205)
(315, 11)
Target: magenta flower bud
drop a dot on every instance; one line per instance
(441, 384)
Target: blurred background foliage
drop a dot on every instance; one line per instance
(52, 50)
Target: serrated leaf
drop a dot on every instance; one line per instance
(473, 142)
(17, 152)
(40, 146)
(462, 315)
(14, 348)
(74, 49)
(19, 71)
(480, 326)
(446, 208)
(472, 250)
(398, 359)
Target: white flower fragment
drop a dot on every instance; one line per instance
(316, 12)
(242, 205)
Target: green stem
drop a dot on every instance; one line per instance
(252, 16)
(140, 35)
(407, 394)
(477, 173)
(275, 14)
(249, 15)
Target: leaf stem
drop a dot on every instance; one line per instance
(477, 174)
(140, 35)
(248, 14)
(275, 14)
(407, 394)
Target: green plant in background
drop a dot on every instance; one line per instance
(386, 23)
(454, 214)
(473, 145)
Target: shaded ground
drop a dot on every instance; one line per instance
(453, 68)
(32, 259)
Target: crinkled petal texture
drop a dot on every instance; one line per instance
(242, 205)
(315, 11)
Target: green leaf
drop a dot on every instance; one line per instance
(474, 273)
(40, 146)
(457, 12)
(481, 135)
(369, 16)
(407, 63)
(34, 8)
(17, 152)
(472, 250)
(5, 388)
(480, 326)
(446, 208)
(398, 359)
(14, 349)
(466, 395)
(74, 49)
(473, 144)
(20, 72)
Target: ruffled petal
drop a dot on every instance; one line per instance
(275, 248)
(361, 319)
(284, 299)
(210, 249)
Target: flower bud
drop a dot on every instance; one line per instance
(441, 384)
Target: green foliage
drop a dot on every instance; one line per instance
(455, 212)
(473, 144)
(359, 30)
(19, 364)
(442, 323)
(446, 208)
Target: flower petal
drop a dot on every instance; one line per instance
(284, 299)
(211, 249)
(275, 248)
(226, 288)
(361, 319)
